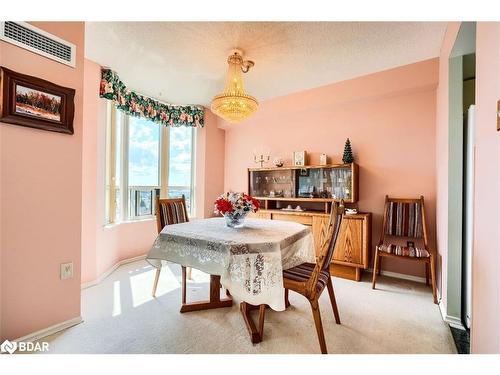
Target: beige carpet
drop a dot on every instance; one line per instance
(120, 316)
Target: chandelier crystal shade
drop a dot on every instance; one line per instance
(234, 105)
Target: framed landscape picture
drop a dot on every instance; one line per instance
(35, 103)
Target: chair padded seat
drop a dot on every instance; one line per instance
(404, 251)
(303, 272)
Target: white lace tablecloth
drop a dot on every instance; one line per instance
(249, 260)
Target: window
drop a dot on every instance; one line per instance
(180, 170)
(143, 160)
(143, 165)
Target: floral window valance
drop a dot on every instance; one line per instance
(141, 106)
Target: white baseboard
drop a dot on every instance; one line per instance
(453, 321)
(400, 276)
(50, 330)
(72, 322)
(111, 270)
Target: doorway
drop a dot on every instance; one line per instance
(462, 76)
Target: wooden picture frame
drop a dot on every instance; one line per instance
(35, 103)
(299, 158)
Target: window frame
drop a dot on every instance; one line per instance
(127, 212)
(130, 213)
(192, 210)
(110, 183)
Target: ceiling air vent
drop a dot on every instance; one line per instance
(38, 41)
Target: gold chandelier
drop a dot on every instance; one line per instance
(234, 105)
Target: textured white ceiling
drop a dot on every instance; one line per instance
(185, 62)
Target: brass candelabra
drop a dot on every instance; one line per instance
(262, 159)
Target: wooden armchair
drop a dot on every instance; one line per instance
(310, 279)
(171, 211)
(404, 236)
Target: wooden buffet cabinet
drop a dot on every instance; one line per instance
(352, 251)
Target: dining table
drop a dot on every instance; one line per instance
(248, 261)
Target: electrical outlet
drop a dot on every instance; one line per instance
(66, 270)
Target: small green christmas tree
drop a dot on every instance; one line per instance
(348, 157)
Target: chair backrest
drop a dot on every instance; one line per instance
(333, 231)
(331, 227)
(324, 234)
(327, 247)
(404, 217)
(170, 211)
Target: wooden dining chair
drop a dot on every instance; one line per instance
(171, 211)
(404, 236)
(310, 279)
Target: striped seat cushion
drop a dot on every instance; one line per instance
(303, 272)
(404, 251)
(404, 219)
(173, 213)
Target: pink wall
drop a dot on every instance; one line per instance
(389, 117)
(92, 150)
(41, 184)
(442, 158)
(210, 156)
(123, 241)
(486, 257)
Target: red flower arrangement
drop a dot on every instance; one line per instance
(236, 204)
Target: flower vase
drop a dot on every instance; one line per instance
(235, 220)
